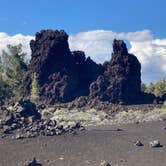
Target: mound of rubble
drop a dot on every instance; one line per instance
(23, 120)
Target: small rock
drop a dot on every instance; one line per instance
(9, 119)
(33, 163)
(155, 144)
(19, 136)
(81, 128)
(6, 130)
(58, 132)
(61, 158)
(118, 129)
(74, 132)
(138, 143)
(104, 163)
(164, 128)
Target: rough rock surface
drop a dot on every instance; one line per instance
(121, 81)
(62, 75)
(24, 121)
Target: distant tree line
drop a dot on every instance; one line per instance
(12, 69)
(158, 88)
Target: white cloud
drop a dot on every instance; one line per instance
(14, 40)
(150, 52)
(98, 45)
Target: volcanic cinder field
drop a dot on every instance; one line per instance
(91, 146)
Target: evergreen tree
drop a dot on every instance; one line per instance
(13, 67)
(158, 89)
(150, 88)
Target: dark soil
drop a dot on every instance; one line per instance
(90, 147)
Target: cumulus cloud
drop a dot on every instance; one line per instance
(14, 40)
(97, 44)
(150, 52)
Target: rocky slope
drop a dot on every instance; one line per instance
(23, 120)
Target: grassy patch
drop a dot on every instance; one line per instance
(92, 117)
(138, 116)
(89, 117)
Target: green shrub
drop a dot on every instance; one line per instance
(86, 118)
(35, 93)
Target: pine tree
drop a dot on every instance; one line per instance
(13, 67)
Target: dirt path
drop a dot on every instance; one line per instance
(90, 147)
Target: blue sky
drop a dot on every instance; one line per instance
(92, 25)
(28, 17)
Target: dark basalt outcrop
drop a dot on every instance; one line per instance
(62, 75)
(121, 81)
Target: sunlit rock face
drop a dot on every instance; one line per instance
(62, 75)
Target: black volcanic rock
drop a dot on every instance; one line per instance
(121, 82)
(62, 75)
(88, 71)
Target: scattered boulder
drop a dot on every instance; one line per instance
(155, 144)
(18, 136)
(138, 143)
(26, 109)
(24, 121)
(33, 163)
(105, 163)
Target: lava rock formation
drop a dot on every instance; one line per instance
(62, 75)
(121, 81)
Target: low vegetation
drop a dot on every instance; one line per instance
(93, 117)
(131, 116)
(88, 117)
